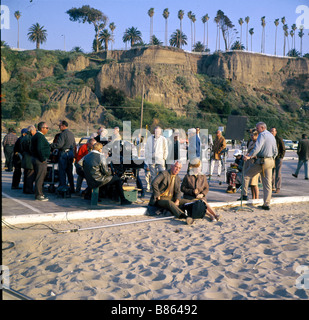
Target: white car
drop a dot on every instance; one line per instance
(289, 144)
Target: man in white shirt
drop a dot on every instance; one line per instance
(156, 151)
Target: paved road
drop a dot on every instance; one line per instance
(14, 202)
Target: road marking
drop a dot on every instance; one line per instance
(22, 203)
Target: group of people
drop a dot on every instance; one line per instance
(262, 162)
(31, 152)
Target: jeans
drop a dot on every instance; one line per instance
(306, 166)
(155, 169)
(65, 167)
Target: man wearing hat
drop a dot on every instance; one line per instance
(17, 161)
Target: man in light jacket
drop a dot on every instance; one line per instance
(156, 151)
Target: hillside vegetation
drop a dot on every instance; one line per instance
(182, 90)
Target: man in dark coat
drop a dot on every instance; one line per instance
(303, 156)
(98, 174)
(40, 150)
(17, 161)
(26, 163)
(276, 182)
(66, 146)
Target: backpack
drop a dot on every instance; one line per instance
(196, 209)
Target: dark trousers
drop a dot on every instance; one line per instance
(29, 177)
(16, 175)
(171, 206)
(65, 167)
(276, 179)
(116, 182)
(40, 169)
(8, 153)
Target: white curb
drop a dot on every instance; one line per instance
(137, 211)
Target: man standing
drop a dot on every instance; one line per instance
(26, 164)
(265, 149)
(17, 161)
(66, 146)
(8, 148)
(276, 180)
(156, 151)
(218, 146)
(167, 194)
(194, 144)
(40, 150)
(303, 156)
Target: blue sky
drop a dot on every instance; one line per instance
(127, 13)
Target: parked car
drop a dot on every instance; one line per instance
(290, 145)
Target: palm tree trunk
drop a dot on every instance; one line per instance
(276, 42)
(180, 40)
(166, 32)
(18, 34)
(207, 34)
(204, 36)
(247, 38)
(251, 43)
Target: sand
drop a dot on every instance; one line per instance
(246, 255)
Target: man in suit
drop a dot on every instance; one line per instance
(167, 194)
(40, 150)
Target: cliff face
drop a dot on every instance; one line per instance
(160, 70)
(255, 69)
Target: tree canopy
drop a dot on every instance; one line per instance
(92, 16)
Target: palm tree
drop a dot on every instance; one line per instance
(105, 36)
(294, 27)
(240, 21)
(237, 45)
(17, 15)
(283, 22)
(165, 16)
(263, 23)
(151, 13)
(156, 41)
(247, 19)
(193, 20)
(276, 22)
(285, 29)
(216, 20)
(189, 14)
(292, 35)
(198, 47)
(37, 34)
(112, 27)
(180, 17)
(251, 31)
(178, 39)
(133, 35)
(301, 34)
(205, 19)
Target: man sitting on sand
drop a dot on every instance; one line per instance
(166, 192)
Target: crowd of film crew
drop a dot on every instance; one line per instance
(259, 161)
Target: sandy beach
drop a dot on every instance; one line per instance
(246, 255)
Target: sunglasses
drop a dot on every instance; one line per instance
(45, 127)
